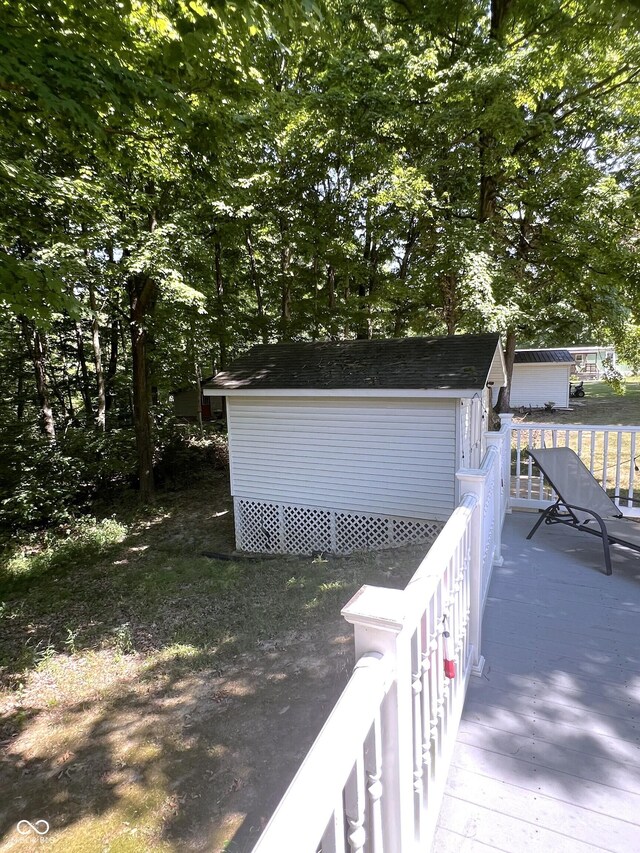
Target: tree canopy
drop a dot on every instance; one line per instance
(183, 179)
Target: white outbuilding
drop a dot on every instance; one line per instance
(541, 376)
(339, 446)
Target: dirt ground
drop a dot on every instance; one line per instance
(173, 695)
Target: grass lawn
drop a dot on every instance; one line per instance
(599, 406)
(153, 698)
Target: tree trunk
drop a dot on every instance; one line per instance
(66, 405)
(82, 363)
(333, 303)
(285, 282)
(199, 393)
(403, 308)
(113, 363)
(97, 357)
(255, 282)
(20, 391)
(499, 12)
(346, 295)
(36, 346)
(142, 291)
(488, 193)
(222, 336)
(488, 197)
(363, 331)
(450, 303)
(504, 401)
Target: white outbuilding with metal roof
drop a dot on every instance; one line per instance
(347, 445)
(541, 376)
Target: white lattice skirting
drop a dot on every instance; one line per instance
(272, 528)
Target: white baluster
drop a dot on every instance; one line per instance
(373, 769)
(354, 807)
(616, 490)
(378, 617)
(632, 464)
(416, 691)
(333, 838)
(474, 483)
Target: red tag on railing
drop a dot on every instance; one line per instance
(449, 657)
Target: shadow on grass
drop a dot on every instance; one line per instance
(163, 698)
(185, 760)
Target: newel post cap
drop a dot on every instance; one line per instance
(376, 607)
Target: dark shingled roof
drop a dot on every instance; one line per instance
(543, 356)
(461, 361)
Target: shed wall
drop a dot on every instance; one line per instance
(382, 455)
(185, 403)
(537, 384)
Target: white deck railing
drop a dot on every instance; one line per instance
(611, 453)
(374, 778)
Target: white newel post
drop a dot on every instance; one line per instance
(495, 439)
(377, 616)
(506, 423)
(473, 482)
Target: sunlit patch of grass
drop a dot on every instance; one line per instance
(134, 825)
(334, 586)
(84, 542)
(327, 593)
(177, 651)
(143, 753)
(63, 678)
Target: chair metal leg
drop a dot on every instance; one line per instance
(605, 543)
(607, 555)
(543, 515)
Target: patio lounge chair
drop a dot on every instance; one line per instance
(582, 502)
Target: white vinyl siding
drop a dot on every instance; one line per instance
(391, 456)
(536, 384)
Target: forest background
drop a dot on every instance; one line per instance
(180, 180)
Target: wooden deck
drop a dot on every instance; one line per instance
(548, 753)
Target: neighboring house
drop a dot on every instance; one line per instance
(186, 401)
(541, 376)
(590, 360)
(354, 444)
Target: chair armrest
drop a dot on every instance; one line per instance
(597, 517)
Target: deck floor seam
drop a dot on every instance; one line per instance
(544, 701)
(543, 766)
(621, 761)
(527, 822)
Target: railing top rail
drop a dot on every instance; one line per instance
(488, 463)
(304, 811)
(424, 580)
(575, 427)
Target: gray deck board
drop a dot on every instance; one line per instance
(548, 751)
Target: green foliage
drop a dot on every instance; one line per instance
(46, 483)
(189, 457)
(612, 376)
(628, 348)
(267, 172)
(123, 639)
